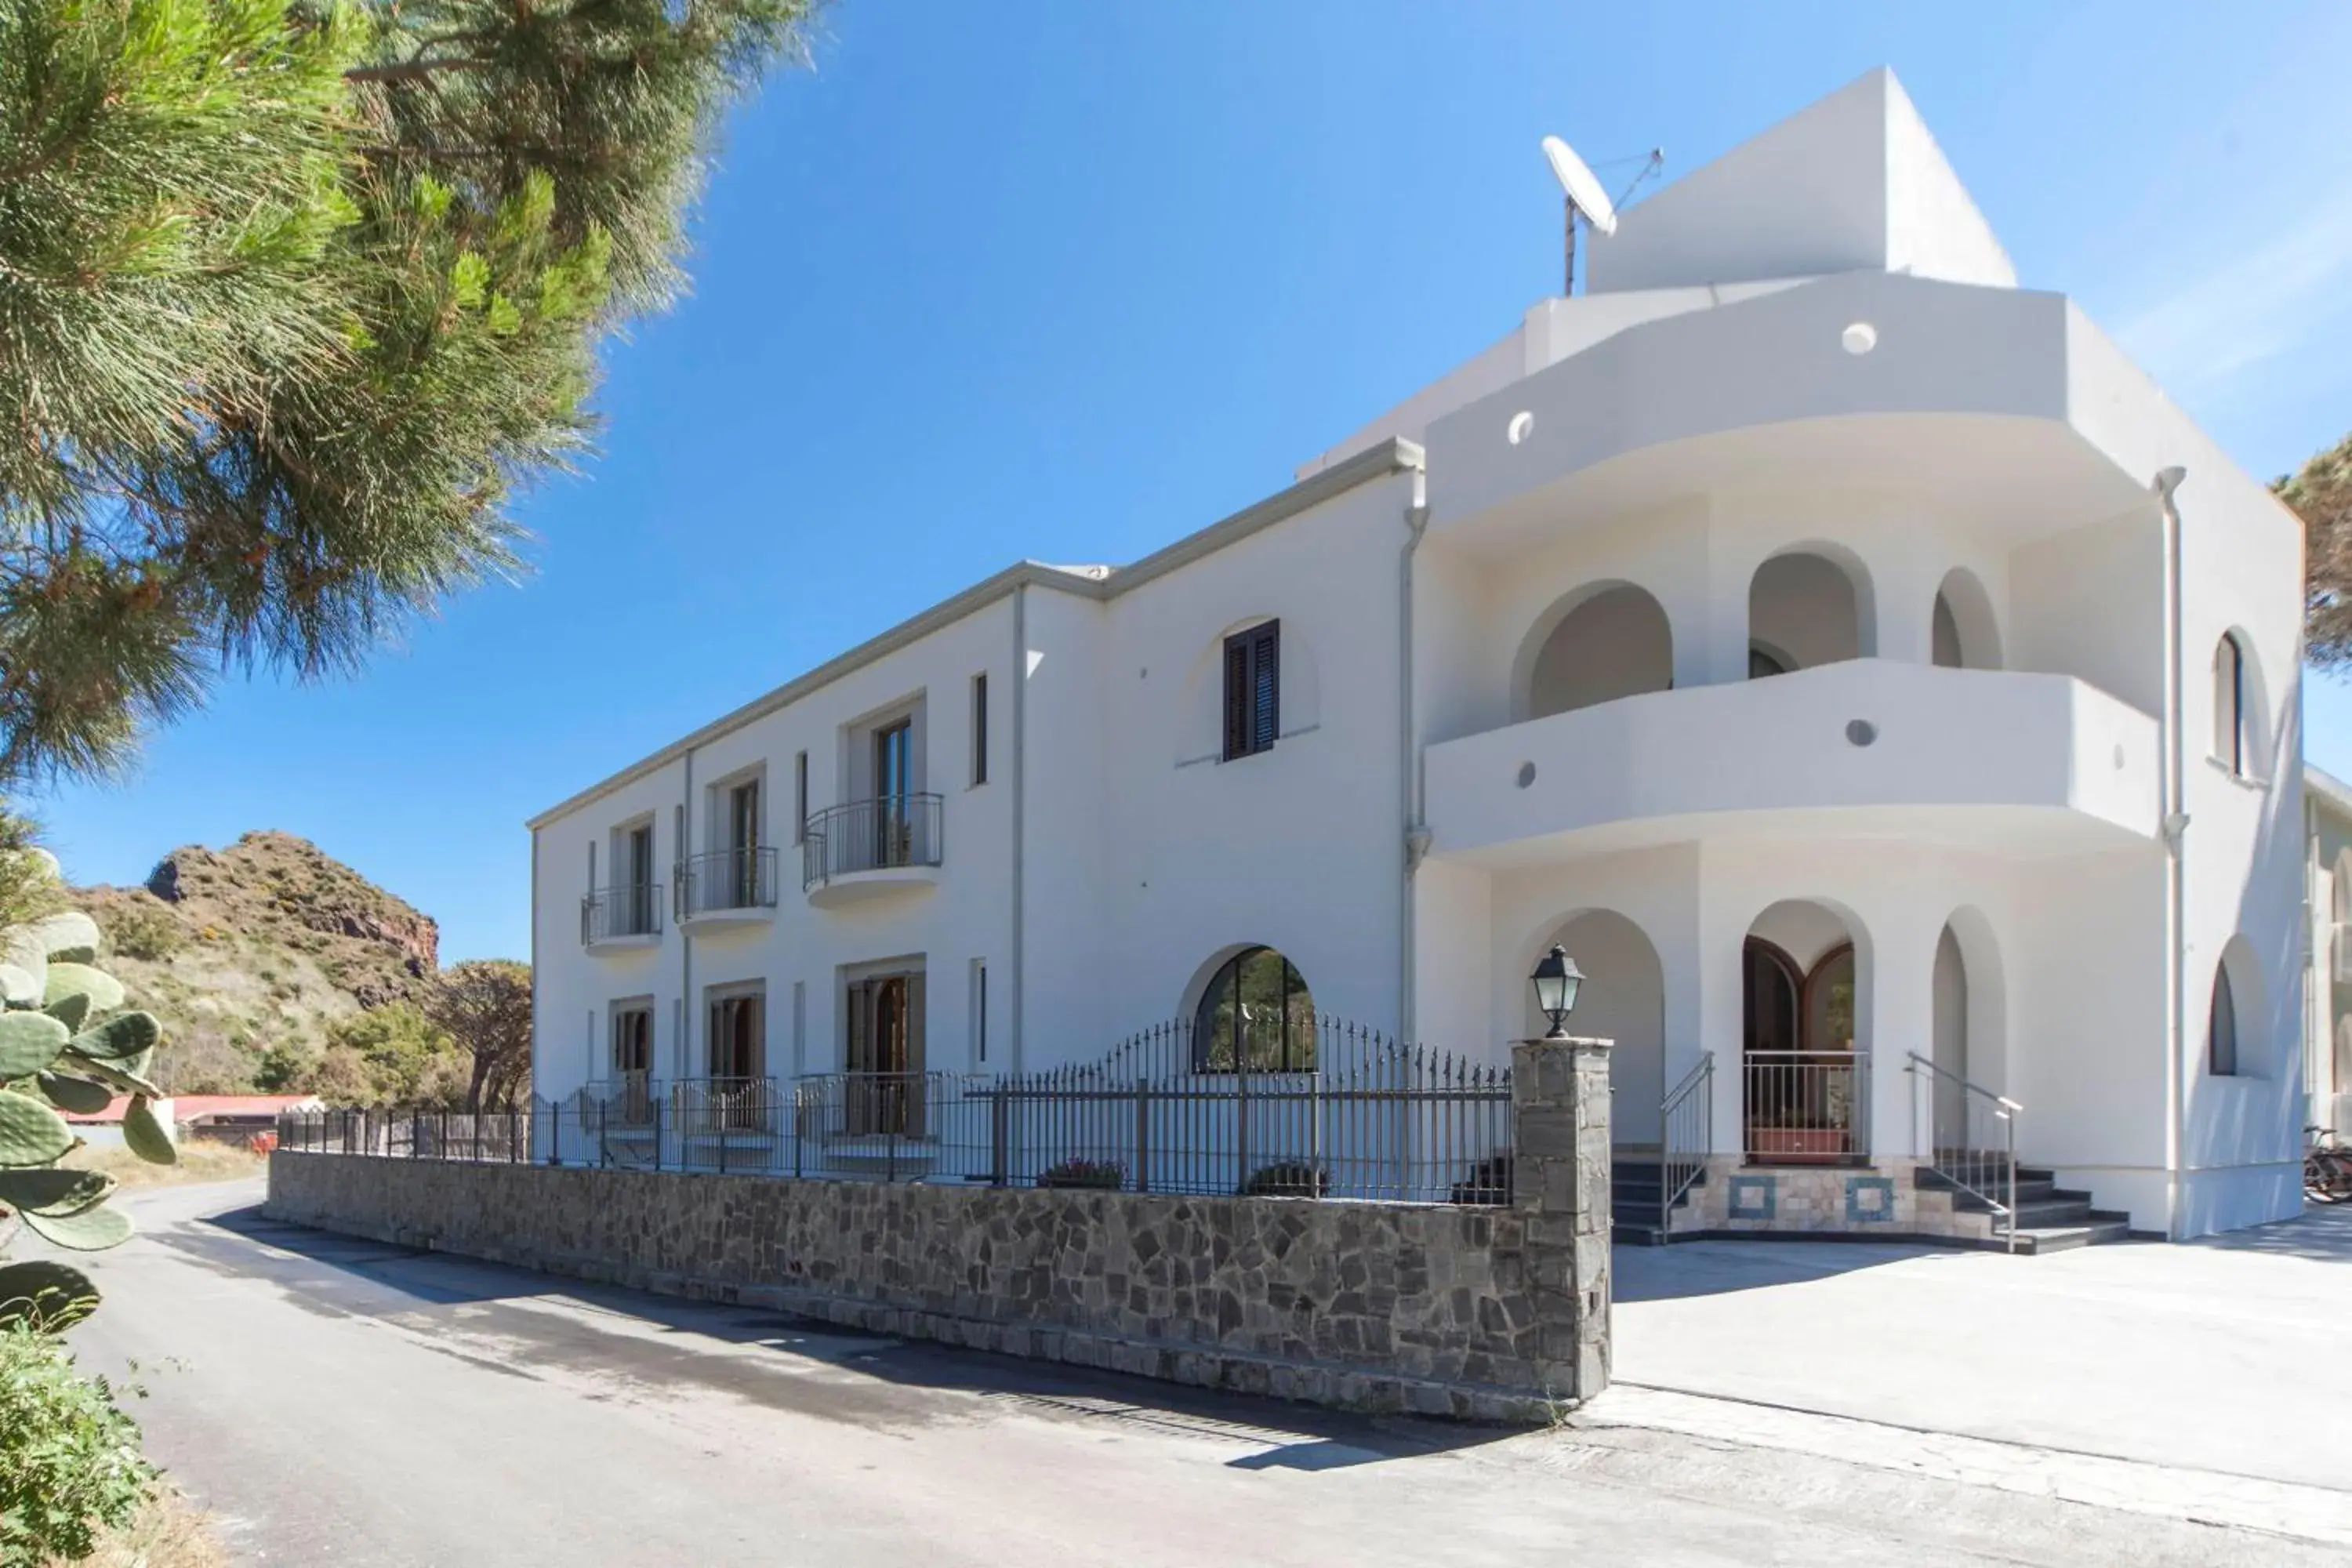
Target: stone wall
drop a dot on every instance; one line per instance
(1489, 1313)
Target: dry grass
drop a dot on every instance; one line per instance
(169, 1532)
(199, 1161)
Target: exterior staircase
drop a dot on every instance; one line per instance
(2050, 1218)
(1633, 1191)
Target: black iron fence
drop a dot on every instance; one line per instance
(1363, 1117)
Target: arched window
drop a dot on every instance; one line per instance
(2230, 747)
(2222, 1026)
(1257, 1011)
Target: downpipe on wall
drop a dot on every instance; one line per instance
(1416, 834)
(2176, 830)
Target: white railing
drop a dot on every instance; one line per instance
(1804, 1108)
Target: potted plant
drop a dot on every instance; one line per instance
(1103, 1175)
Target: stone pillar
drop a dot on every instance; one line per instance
(1560, 1187)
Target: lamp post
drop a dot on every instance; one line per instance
(1555, 981)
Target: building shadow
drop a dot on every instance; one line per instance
(2322, 1232)
(659, 1342)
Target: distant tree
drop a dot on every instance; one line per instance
(2321, 494)
(485, 1005)
(294, 296)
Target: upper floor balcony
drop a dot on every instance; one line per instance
(1981, 405)
(868, 847)
(728, 887)
(1999, 759)
(626, 916)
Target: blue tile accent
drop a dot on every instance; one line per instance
(1755, 1197)
(1869, 1200)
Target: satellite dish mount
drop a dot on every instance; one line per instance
(1581, 193)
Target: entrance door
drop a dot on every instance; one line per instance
(738, 1090)
(633, 1062)
(1800, 1090)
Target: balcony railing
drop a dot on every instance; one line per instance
(895, 831)
(1805, 1108)
(726, 881)
(630, 910)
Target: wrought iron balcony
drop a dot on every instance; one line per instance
(866, 841)
(630, 913)
(726, 884)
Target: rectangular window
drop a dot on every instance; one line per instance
(1253, 689)
(800, 797)
(633, 1062)
(884, 1055)
(636, 890)
(979, 728)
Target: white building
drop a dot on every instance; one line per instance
(1791, 625)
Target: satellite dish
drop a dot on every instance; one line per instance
(1584, 192)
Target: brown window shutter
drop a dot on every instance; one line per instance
(1237, 697)
(1266, 652)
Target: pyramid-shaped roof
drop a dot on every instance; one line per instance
(1853, 183)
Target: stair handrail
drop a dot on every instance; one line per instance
(2003, 1110)
(1692, 1102)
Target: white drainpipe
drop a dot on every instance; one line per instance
(1416, 835)
(2176, 827)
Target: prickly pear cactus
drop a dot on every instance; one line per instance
(65, 1044)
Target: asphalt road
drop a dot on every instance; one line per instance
(341, 1402)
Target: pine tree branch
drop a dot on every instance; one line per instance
(417, 71)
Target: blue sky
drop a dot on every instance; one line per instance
(1069, 281)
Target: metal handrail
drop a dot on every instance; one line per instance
(1689, 1109)
(1966, 1167)
(880, 835)
(727, 879)
(625, 909)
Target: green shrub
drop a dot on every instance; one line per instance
(1107, 1175)
(142, 928)
(70, 1460)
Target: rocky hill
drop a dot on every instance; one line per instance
(246, 954)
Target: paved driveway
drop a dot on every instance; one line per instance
(2232, 1354)
(336, 1401)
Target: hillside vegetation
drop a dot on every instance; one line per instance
(274, 967)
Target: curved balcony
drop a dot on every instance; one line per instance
(616, 918)
(870, 848)
(1987, 403)
(727, 886)
(1996, 760)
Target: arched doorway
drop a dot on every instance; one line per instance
(1623, 999)
(1614, 642)
(1805, 609)
(1803, 1083)
(1964, 635)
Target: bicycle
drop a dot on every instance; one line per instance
(2327, 1167)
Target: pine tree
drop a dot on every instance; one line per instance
(2321, 494)
(295, 297)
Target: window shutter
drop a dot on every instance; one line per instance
(1265, 655)
(1237, 698)
(855, 1054)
